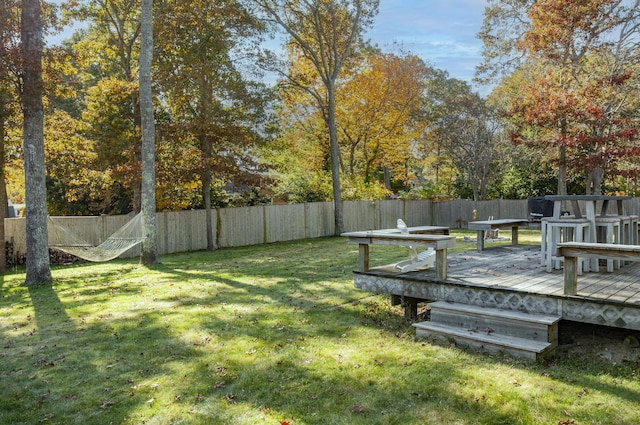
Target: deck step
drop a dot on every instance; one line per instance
(531, 336)
(536, 327)
(491, 342)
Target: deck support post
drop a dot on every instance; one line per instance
(570, 275)
(363, 259)
(441, 264)
(410, 308)
(409, 304)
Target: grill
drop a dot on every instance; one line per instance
(539, 208)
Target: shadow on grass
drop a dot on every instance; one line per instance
(90, 371)
(243, 336)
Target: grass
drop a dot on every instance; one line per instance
(267, 335)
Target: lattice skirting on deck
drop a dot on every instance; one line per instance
(577, 309)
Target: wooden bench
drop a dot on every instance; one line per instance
(440, 243)
(572, 250)
(488, 225)
(419, 230)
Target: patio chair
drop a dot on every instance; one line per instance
(425, 259)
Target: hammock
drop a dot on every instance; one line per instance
(123, 239)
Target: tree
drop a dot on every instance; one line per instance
(9, 43)
(324, 33)
(149, 251)
(505, 22)
(466, 129)
(578, 57)
(109, 51)
(214, 112)
(585, 75)
(38, 266)
(378, 115)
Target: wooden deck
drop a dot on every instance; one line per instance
(512, 278)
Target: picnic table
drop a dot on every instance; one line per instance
(489, 225)
(550, 240)
(439, 242)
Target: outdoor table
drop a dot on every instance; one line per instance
(590, 202)
(440, 243)
(487, 225)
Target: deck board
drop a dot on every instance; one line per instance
(520, 269)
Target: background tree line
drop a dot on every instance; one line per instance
(236, 125)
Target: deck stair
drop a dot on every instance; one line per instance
(530, 336)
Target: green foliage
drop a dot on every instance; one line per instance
(300, 188)
(356, 189)
(425, 191)
(243, 197)
(517, 182)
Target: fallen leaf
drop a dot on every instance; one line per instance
(106, 404)
(47, 417)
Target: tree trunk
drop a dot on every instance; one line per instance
(594, 181)
(149, 252)
(562, 161)
(205, 176)
(387, 178)
(206, 147)
(38, 265)
(136, 179)
(208, 213)
(335, 158)
(3, 185)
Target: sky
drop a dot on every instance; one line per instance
(443, 33)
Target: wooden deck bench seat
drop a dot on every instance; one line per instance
(440, 243)
(572, 250)
(420, 230)
(489, 225)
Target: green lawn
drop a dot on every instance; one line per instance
(267, 335)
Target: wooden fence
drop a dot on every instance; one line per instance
(183, 231)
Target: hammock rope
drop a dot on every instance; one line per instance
(122, 240)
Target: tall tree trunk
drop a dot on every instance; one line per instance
(594, 181)
(149, 252)
(335, 158)
(562, 161)
(562, 170)
(206, 147)
(3, 184)
(38, 265)
(387, 178)
(137, 153)
(206, 176)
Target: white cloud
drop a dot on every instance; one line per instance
(442, 33)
